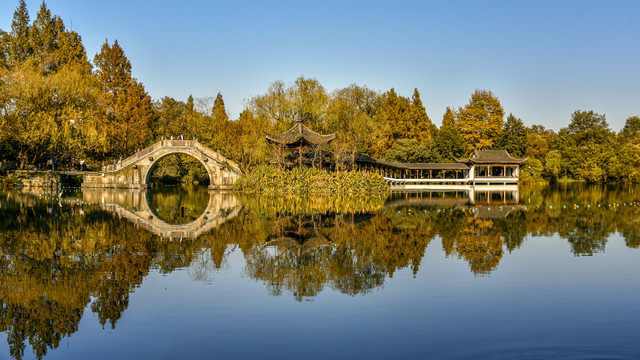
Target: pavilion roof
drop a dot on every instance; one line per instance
(297, 133)
(361, 158)
(491, 157)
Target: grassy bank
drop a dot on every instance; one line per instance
(269, 179)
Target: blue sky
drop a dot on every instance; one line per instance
(542, 59)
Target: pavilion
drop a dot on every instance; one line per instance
(301, 139)
(488, 167)
(481, 167)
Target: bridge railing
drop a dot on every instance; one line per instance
(146, 151)
(169, 143)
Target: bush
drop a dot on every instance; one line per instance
(269, 179)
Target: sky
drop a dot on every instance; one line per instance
(542, 59)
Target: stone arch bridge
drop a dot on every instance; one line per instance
(135, 171)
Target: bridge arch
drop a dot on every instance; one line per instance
(212, 170)
(134, 172)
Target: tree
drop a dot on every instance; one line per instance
(631, 128)
(394, 113)
(409, 151)
(420, 126)
(168, 120)
(587, 146)
(305, 100)
(532, 169)
(588, 126)
(70, 51)
(449, 118)
(218, 130)
(351, 114)
(126, 106)
(513, 137)
(43, 35)
(20, 44)
(449, 145)
(553, 164)
(480, 121)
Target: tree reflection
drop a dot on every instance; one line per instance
(52, 265)
(58, 257)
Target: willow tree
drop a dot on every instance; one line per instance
(480, 121)
(351, 113)
(281, 106)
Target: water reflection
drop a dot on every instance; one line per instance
(61, 254)
(175, 214)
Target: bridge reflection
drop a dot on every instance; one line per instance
(136, 206)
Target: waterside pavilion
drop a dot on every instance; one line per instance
(300, 139)
(488, 167)
(482, 167)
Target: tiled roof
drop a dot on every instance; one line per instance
(361, 158)
(491, 157)
(299, 132)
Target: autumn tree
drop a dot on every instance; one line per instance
(126, 109)
(420, 126)
(480, 121)
(449, 118)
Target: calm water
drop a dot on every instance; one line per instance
(184, 273)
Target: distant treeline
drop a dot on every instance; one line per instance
(55, 103)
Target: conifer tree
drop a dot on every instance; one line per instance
(218, 112)
(126, 106)
(421, 128)
(449, 118)
(43, 35)
(190, 105)
(513, 137)
(70, 51)
(20, 44)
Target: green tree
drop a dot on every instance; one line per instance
(351, 114)
(168, 119)
(513, 137)
(409, 151)
(20, 47)
(532, 169)
(449, 145)
(480, 121)
(553, 164)
(71, 51)
(43, 35)
(631, 128)
(587, 146)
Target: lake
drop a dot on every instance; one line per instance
(181, 272)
